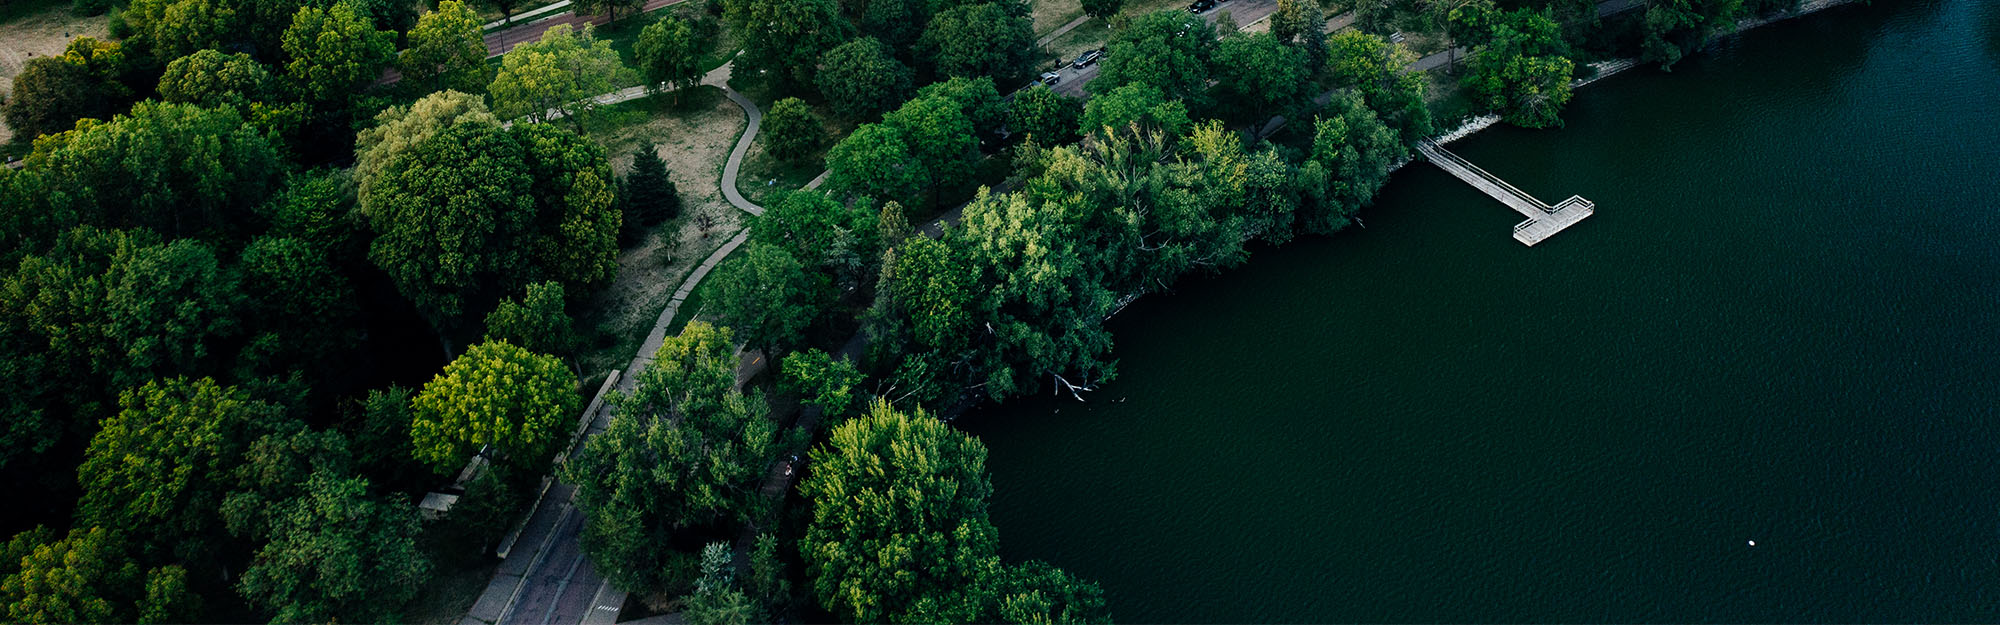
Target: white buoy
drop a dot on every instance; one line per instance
(1753, 543)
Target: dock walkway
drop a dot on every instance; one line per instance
(1543, 220)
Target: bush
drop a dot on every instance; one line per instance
(794, 130)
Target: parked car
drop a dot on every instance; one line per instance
(1052, 77)
(1087, 59)
(1201, 6)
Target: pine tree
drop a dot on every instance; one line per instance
(649, 195)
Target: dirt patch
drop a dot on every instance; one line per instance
(41, 32)
(694, 140)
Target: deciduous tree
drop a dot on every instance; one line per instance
(1258, 71)
(557, 77)
(823, 381)
(1048, 117)
(50, 93)
(874, 161)
(862, 79)
(337, 553)
(497, 395)
(979, 40)
(792, 129)
(447, 49)
(769, 297)
(209, 78)
(667, 55)
(334, 51)
(1169, 50)
(787, 37)
(536, 322)
(1521, 72)
(1135, 103)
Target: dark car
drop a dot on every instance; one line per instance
(1087, 59)
(1051, 77)
(1201, 6)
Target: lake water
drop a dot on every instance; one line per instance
(1781, 326)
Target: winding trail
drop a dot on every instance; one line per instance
(720, 78)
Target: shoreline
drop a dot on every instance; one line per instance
(1612, 67)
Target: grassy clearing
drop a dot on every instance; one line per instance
(763, 177)
(1051, 14)
(694, 138)
(624, 34)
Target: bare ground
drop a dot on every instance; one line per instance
(1049, 14)
(694, 142)
(37, 34)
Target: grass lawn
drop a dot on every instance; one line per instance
(624, 34)
(1051, 14)
(763, 177)
(694, 138)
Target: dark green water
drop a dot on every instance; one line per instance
(1782, 326)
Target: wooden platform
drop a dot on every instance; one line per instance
(1543, 221)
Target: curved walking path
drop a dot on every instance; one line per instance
(720, 78)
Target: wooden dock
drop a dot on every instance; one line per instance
(1543, 220)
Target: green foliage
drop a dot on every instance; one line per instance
(537, 322)
(1048, 117)
(685, 449)
(1373, 67)
(1169, 50)
(1674, 28)
(168, 599)
(336, 553)
(299, 297)
(1262, 73)
(380, 426)
(647, 196)
(274, 469)
(86, 577)
(1139, 104)
(1352, 152)
(209, 79)
(979, 40)
(823, 381)
(52, 92)
(768, 584)
(724, 606)
(447, 49)
(899, 514)
(792, 130)
(829, 238)
(874, 161)
(176, 169)
(667, 54)
(557, 77)
(940, 139)
(787, 37)
(975, 97)
(1102, 9)
(608, 8)
(1033, 592)
(476, 211)
(398, 128)
(1301, 23)
(1521, 71)
(334, 51)
(862, 79)
(173, 29)
(496, 395)
(164, 463)
(769, 297)
(924, 307)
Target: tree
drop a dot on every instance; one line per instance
(899, 513)
(1259, 71)
(1302, 24)
(536, 322)
(505, 7)
(337, 554)
(1169, 50)
(398, 128)
(447, 49)
(87, 577)
(826, 236)
(557, 77)
(792, 129)
(717, 600)
(769, 296)
(608, 8)
(1032, 592)
(499, 396)
(299, 296)
(52, 92)
(822, 381)
(1521, 72)
(979, 40)
(209, 78)
(873, 161)
(1048, 117)
(924, 307)
(768, 583)
(172, 29)
(787, 37)
(164, 463)
(940, 138)
(474, 212)
(1352, 152)
(1135, 104)
(862, 79)
(647, 196)
(975, 97)
(667, 55)
(334, 51)
(1675, 27)
(684, 449)
(1373, 67)
(1102, 9)
(168, 598)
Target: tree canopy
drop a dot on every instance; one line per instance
(557, 77)
(1521, 71)
(862, 79)
(447, 49)
(496, 394)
